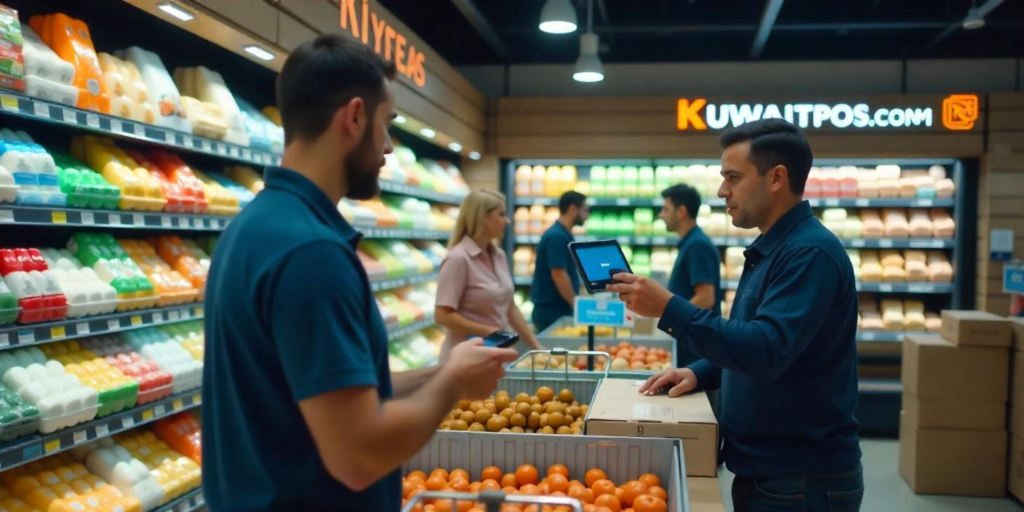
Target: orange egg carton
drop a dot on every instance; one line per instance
(70, 40)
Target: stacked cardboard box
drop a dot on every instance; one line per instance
(953, 437)
(1016, 464)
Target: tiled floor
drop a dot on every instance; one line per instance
(887, 492)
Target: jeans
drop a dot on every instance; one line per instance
(838, 492)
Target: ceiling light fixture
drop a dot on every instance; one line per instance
(974, 21)
(473, 155)
(428, 133)
(400, 119)
(259, 52)
(558, 17)
(175, 12)
(588, 65)
(455, 146)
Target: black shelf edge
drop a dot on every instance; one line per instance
(86, 120)
(119, 219)
(853, 243)
(394, 187)
(189, 502)
(399, 332)
(381, 285)
(20, 336)
(831, 202)
(403, 233)
(888, 336)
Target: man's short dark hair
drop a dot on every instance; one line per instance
(683, 195)
(774, 142)
(323, 75)
(571, 198)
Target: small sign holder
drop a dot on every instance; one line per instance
(600, 310)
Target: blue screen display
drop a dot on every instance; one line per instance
(598, 261)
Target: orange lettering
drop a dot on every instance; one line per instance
(400, 53)
(348, 17)
(389, 35)
(960, 111)
(419, 75)
(366, 17)
(688, 113)
(378, 32)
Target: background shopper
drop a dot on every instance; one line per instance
(555, 280)
(300, 411)
(786, 361)
(474, 288)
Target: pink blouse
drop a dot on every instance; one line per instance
(467, 284)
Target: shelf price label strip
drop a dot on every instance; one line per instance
(830, 202)
(188, 502)
(34, 447)
(398, 282)
(43, 216)
(409, 329)
(719, 241)
(18, 336)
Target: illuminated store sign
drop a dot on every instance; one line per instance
(359, 20)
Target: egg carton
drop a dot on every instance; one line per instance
(61, 398)
(117, 466)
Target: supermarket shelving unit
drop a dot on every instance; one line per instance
(880, 396)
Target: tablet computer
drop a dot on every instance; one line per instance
(598, 262)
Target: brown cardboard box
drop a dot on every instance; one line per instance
(1017, 378)
(954, 414)
(953, 462)
(705, 494)
(936, 368)
(1017, 419)
(975, 328)
(1015, 479)
(619, 410)
(1017, 328)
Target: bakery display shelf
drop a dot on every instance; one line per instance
(403, 233)
(34, 447)
(394, 187)
(50, 216)
(397, 332)
(190, 501)
(720, 241)
(18, 336)
(60, 114)
(400, 282)
(888, 336)
(830, 202)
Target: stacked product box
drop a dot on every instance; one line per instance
(1015, 481)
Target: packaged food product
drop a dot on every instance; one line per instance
(70, 39)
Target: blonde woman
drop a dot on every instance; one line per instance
(474, 287)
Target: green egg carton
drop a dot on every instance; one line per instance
(17, 418)
(84, 187)
(9, 308)
(117, 399)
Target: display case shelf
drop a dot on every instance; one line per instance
(109, 219)
(19, 336)
(191, 501)
(381, 285)
(829, 202)
(728, 241)
(403, 234)
(395, 333)
(394, 187)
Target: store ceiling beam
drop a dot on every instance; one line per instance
(983, 11)
(764, 29)
(483, 27)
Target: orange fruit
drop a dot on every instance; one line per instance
(658, 492)
(457, 474)
(475, 487)
(436, 482)
(609, 501)
(459, 485)
(594, 475)
(529, 490)
(576, 483)
(631, 490)
(509, 490)
(648, 503)
(649, 480)
(490, 485)
(509, 480)
(559, 469)
(600, 487)
(490, 473)
(558, 483)
(408, 486)
(562, 508)
(422, 475)
(538, 508)
(442, 472)
(582, 494)
(619, 492)
(589, 507)
(526, 474)
(545, 489)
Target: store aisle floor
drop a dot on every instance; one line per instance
(888, 492)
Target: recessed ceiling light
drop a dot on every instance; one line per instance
(455, 146)
(474, 155)
(175, 12)
(400, 119)
(259, 52)
(428, 133)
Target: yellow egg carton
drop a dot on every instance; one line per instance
(172, 287)
(246, 176)
(117, 391)
(59, 484)
(174, 472)
(194, 347)
(139, 189)
(220, 200)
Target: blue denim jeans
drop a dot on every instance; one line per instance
(838, 492)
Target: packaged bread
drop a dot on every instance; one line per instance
(871, 224)
(892, 315)
(942, 223)
(870, 267)
(939, 268)
(812, 188)
(917, 265)
(867, 182)
(848, 185)
(834, 219)
(944, 188)
(888, 180)
(920, 224)
(913, 315)
(932, 322)
(896, 225)
(892, 258)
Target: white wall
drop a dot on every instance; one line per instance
(838, 77)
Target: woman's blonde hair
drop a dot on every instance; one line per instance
(475, 206)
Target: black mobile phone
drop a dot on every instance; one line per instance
(501, 339)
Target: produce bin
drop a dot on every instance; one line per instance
(582, 384)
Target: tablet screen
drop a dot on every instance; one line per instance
(597, 261)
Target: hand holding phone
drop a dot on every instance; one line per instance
(501, 339)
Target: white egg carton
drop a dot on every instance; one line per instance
(157, 346)
(8, 189)
(116, 465)
(86, 293)
(110, 346)
(61, 398)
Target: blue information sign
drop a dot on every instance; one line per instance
(602, 312)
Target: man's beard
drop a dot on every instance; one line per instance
(363, 169)
(579, 220)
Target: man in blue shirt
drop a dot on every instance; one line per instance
(696, 275)
(786, 360)
(300, 410)
(555, 279)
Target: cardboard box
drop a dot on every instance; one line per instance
(619, 410)
(936, 368)
(1017, 378)
(954, 414)
(1017, 328)
(1017, 419)
(1015, 479)
(953, 462)
(975, 328)
(705, 494)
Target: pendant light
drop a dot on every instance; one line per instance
(558, 17)
(588, 65)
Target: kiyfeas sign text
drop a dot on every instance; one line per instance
(362, 23)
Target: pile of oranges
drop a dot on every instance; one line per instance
(595, 492)
(546, 412)
(627, 357)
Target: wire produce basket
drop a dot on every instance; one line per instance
(582, 384)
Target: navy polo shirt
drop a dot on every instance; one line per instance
(289, 316)
(786, 361)
(552, 253)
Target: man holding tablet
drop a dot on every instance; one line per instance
(786, 360)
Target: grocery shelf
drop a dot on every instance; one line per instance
(56, 113)
(50, 216)
(929, 288)
(881, 386)
(522, 280)
(35, 447)
(855, 243)
(888, 336)
(831, 202)
(402, 233)
(399, 282)
(188, 502)
(398, 332)
(18, 336)
(395, 187)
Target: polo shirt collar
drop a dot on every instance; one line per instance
(689, 234)
(562, 226)
(287, 180)
(766, 243)
(470, 246)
